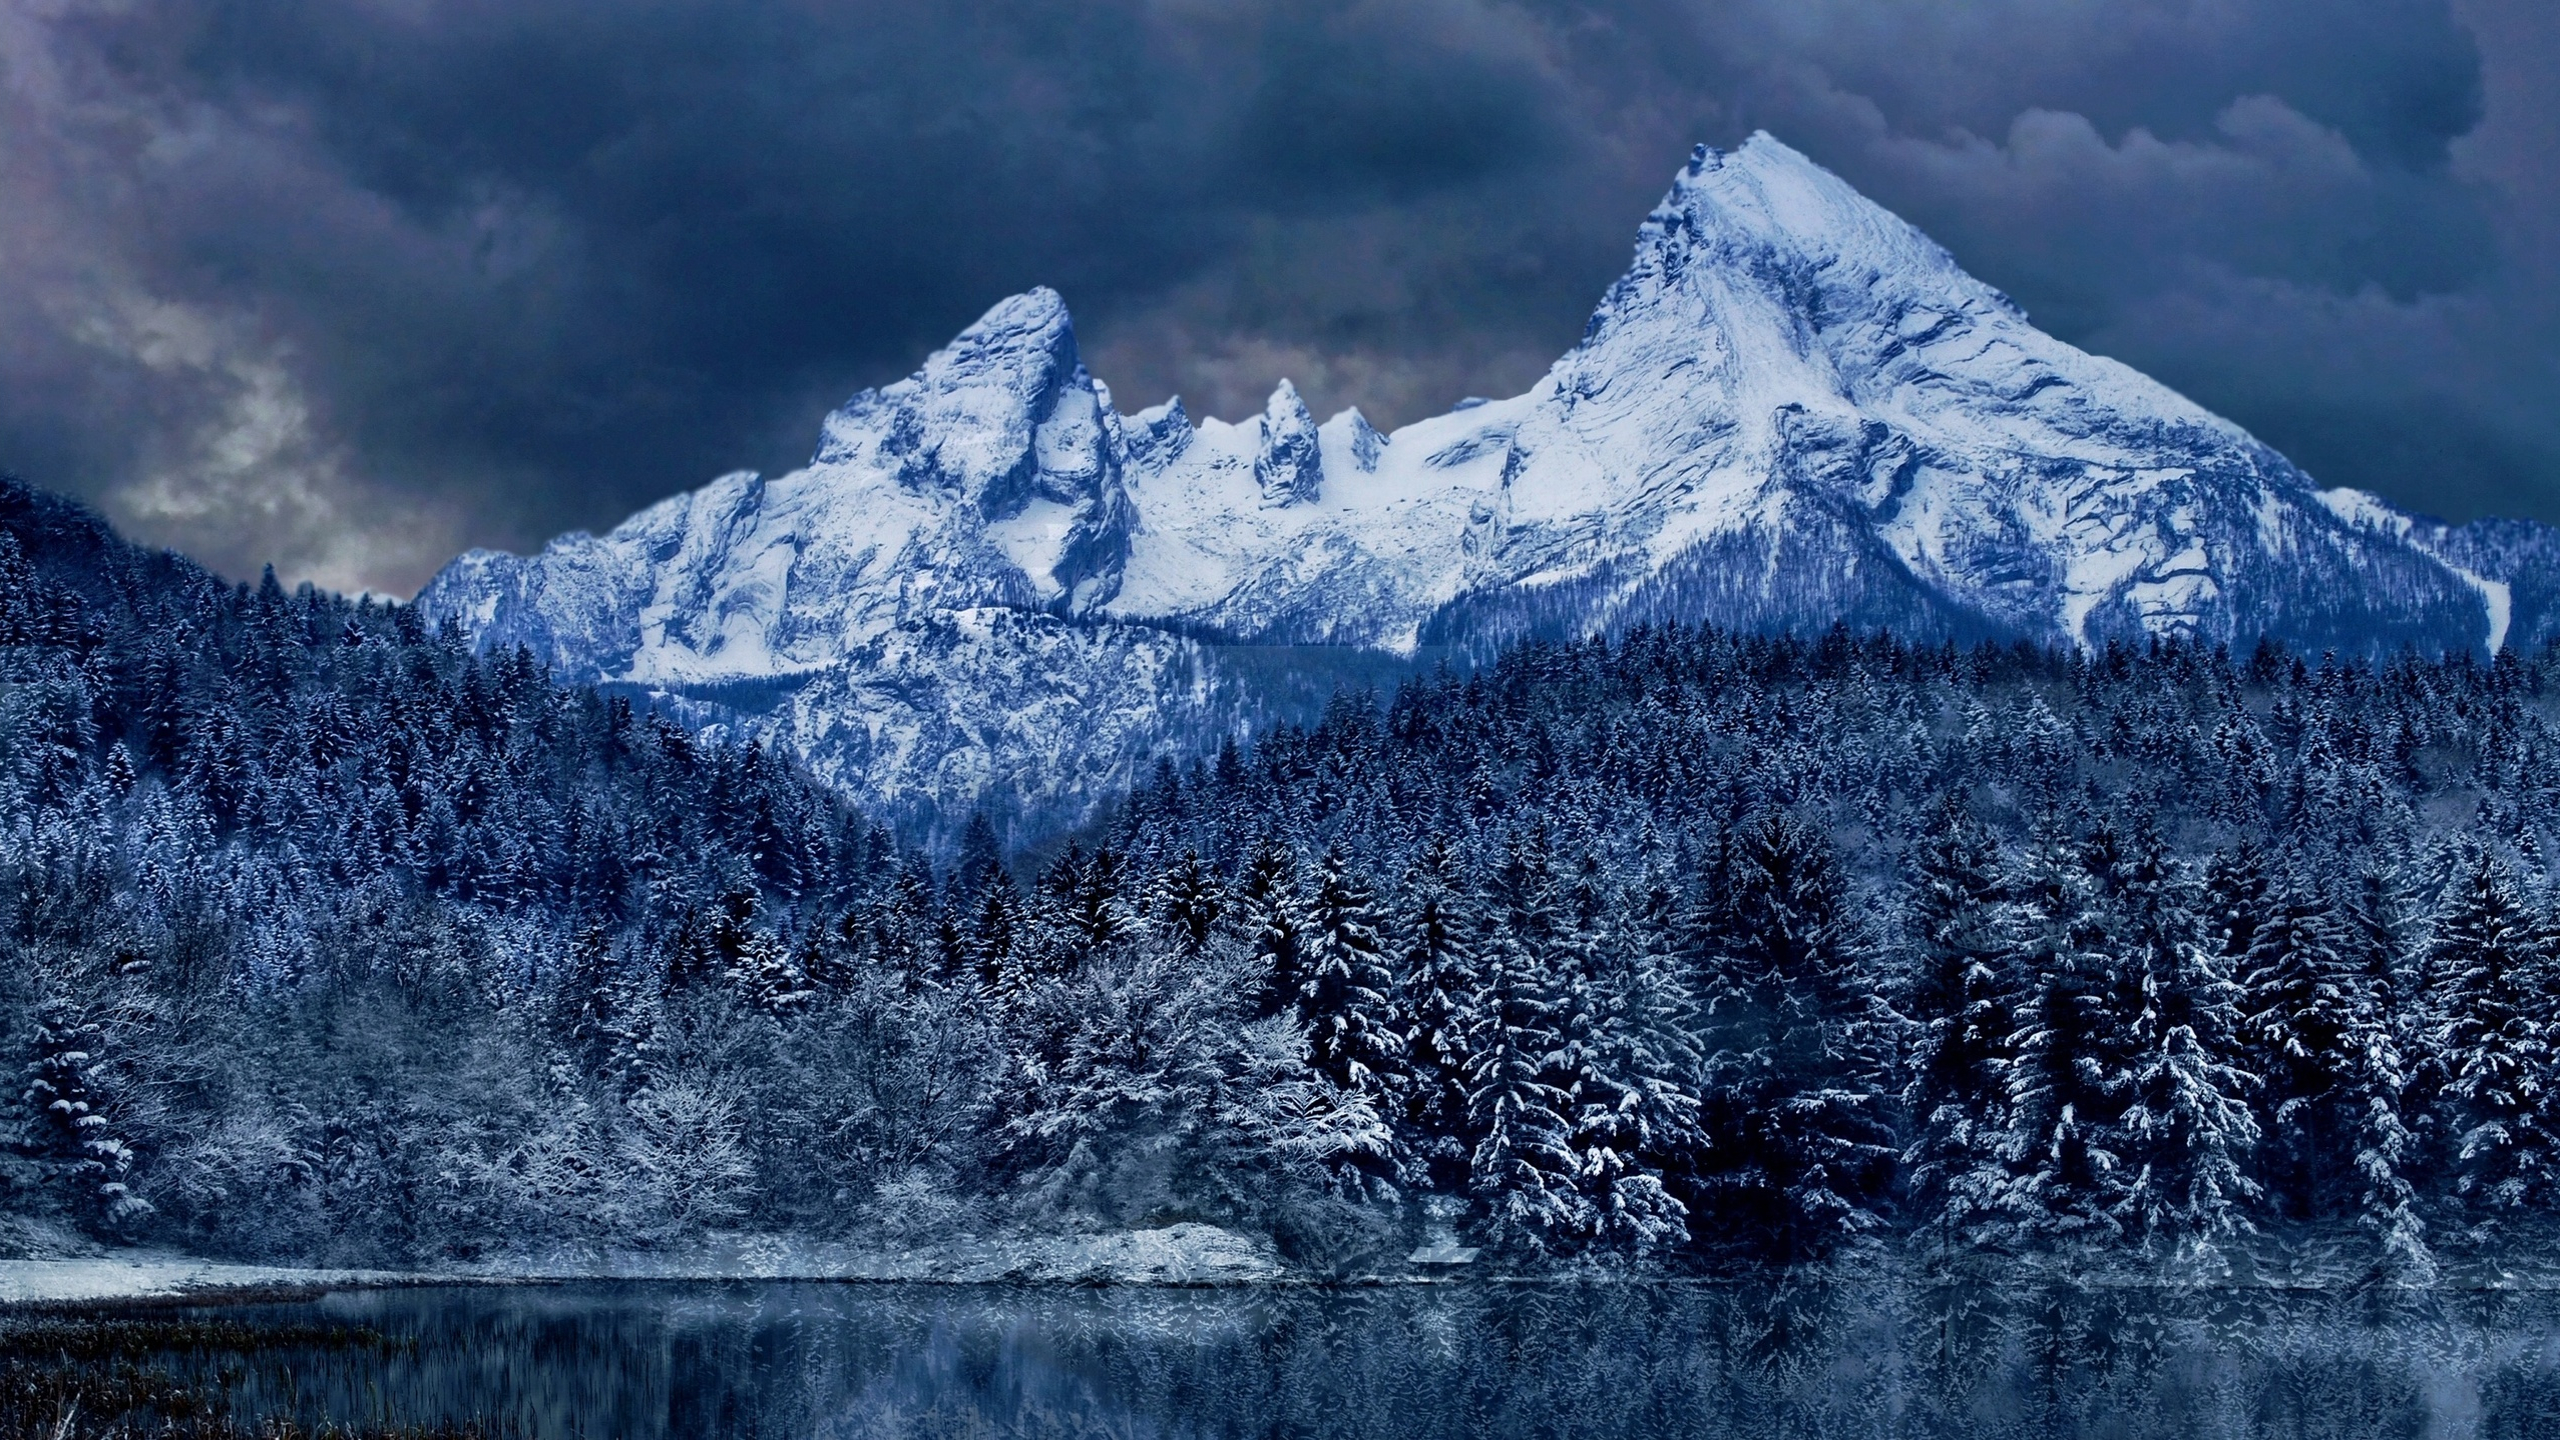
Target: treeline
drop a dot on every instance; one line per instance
(295, 896)
(322, 937)
(1704, 942)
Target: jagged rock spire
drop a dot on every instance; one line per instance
(1003, 412)
(1355, 436)
(1028, 339)
(1289, 466)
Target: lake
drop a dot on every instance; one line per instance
(1765, 1359)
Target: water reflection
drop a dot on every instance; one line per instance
(1770, 1359)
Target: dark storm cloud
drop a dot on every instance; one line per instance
(349, 285)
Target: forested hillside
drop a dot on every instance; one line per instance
(309, 914)
(327, 939)
(1773, 946)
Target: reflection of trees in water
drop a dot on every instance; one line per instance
(1764, 1358)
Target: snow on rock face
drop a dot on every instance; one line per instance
(1290, 466)
(1794, 408)
(1352, 441)
(991, 477)
(1046, 717)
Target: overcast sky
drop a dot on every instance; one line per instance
(349, 285)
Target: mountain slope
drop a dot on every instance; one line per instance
(1793, 409)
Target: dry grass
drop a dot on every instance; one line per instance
(124, 1377)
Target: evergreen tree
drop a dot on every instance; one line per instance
(768, 974)
(2300, 1004)
(1637, 1125)
(1800, 1051)
(1523, 1167)
(70, 1104)
(585, 997)
(2236, 899)
(25, 616)
(1438, 981)
(1189, 902)
(2062, 1175)
(981, 861)
(446, 955)
(2374, 1094)
(2187, 1126)
(1097, 913)
(2492, 1006)
(1356, 1039)
(1957, 1013)
(994, 939)
(1271, 911)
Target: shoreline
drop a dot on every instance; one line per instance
(1119, 1260)
(1183, 1256)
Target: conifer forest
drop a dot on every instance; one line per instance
(323, 938)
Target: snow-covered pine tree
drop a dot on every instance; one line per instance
(1438, 976)
(2235, 901)
(2061, 1175)
(1356, 1039)
(1637, 1123)
(583, 999)
(1799, 1048)
(2374, 1095)
(2493, 1006)
(69, 1100)
(1188, 902)
(768, 974)
(2188, 1126)
(824, 956)
(1523, 1167)
(1098, 905)
(1956, 1009)
(981, 861)
(1053, 941)
(994, 938)
(53, 737)
(2298, 1005)
(1271, 910)
(711, 938)
(25, 617)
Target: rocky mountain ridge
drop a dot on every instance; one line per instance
(990, 587)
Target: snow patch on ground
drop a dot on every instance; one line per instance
(2357, 508)
(1185, 1254)
(144, 1275)
(2494, 594)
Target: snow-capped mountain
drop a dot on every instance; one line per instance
(1793, 409)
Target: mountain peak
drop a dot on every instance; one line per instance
(1028, 338)
(1766, 214)
(1004, 413)
(1793, 409)
(1290, 464)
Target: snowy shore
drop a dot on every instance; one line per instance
(1187, 1254)
(154, 1275)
